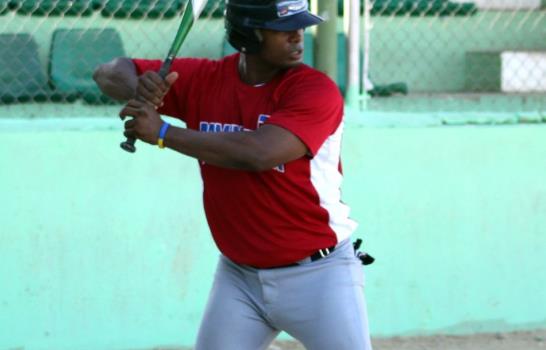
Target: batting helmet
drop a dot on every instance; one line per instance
(243, 17)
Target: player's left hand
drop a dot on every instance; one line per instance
(146, 121)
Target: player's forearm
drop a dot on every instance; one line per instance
(117, 79)
(237, 150)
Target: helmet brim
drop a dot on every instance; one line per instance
(295, 22)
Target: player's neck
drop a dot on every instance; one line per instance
(254, 71)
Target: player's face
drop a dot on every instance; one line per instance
(282, 49)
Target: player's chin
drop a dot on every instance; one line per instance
(293, 59)
(292, 62)
(289, 65)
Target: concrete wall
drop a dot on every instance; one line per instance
(104, 250)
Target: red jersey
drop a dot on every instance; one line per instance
(279, 216)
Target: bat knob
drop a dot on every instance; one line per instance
(128, 145)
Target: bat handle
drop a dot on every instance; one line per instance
(129, 144)
(166, 66)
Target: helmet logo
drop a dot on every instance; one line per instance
(291, 7)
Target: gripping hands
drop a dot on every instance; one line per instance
(152, 88)
(146, 122)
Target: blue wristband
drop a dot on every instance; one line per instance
(162, 133)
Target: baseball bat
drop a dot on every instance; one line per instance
(191, 13)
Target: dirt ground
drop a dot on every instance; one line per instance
(535, 340)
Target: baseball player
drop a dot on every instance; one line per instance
(266, 130)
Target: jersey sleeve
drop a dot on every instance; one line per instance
(311, 107)
(176, 99)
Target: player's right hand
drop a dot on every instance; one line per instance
(152, 89)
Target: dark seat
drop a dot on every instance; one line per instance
(75, 53)
(4, 6)
(22, 77)
(421, 8)
(414, 7)
(141, 8)
(213, 8)
(54, 7)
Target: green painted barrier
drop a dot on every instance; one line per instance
(105, 251)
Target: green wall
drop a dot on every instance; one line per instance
(102, 250)
(457, 217)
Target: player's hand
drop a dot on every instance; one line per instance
(145, 124)
(152, 88)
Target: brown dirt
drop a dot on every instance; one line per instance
(534, 340)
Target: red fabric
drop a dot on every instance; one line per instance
(267, 218)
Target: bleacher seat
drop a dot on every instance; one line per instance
(421, 8)
(141, 8)
(22, 77)
(54, 7)
(213, 8)
(414, 7)
(75, 53)
(4, 6)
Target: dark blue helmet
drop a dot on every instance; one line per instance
(243, 17)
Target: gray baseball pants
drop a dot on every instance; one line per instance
(319, 303)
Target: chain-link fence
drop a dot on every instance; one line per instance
(439, 55)
(420, 55)
(49, 48)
